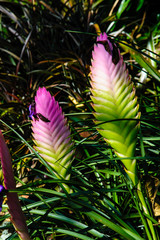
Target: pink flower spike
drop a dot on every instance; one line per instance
(52, 137)
(15, 210)
(114, 98)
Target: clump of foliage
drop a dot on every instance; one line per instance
(49, 44)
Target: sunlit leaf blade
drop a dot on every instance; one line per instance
(140, 4)
(143, 62)
(126, 233)
(122, 7)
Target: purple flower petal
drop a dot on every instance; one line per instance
(32, 110)
(2, 192)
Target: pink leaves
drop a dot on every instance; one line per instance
(15, 210)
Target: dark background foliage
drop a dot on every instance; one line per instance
(50, 43)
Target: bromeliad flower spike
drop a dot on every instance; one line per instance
(52, 137)
(114, 100)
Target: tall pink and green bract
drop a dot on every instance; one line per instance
(114, 102)
(51, 133)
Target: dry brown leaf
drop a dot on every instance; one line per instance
(152, 184)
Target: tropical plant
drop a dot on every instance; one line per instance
(107, 192)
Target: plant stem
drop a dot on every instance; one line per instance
(145, 209)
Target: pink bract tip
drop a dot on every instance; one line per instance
(102, 37)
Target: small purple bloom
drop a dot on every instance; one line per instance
(32, 110)
(1, 188)
(2, 191)
(37, 116)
